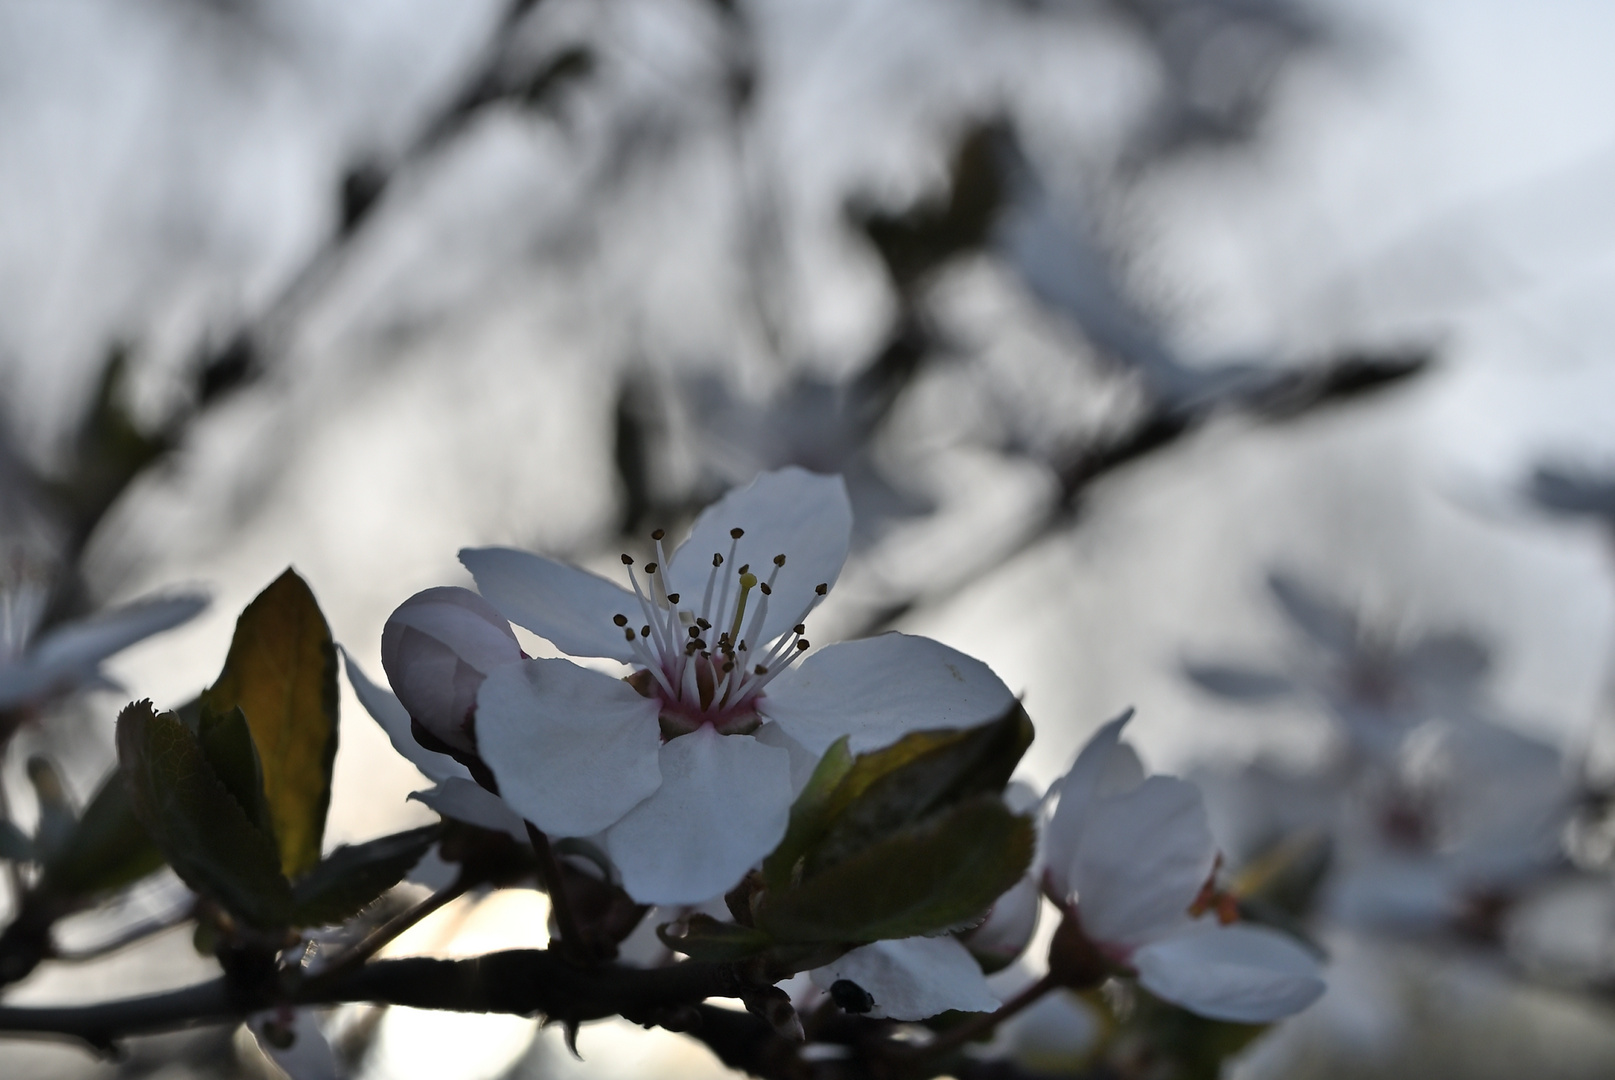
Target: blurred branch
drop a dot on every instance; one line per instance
(132, 935)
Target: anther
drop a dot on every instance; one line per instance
(629, 633)
(620, 620)
(766, 590)
(760, 670)
(779, 560)
(645, 630)
(627, 559)
(650, 568)
(729, 666)
(695, 631)
(703, 624)
(717, 560)
(822, 588)
(737, 533)
(672, 598)
(658, 534)
(745, 568)
(801, 644)
(799, 628)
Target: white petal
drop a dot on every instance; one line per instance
(1106, 766)
(1142, 860)
(390, 713)
(792, 512)
(85, 643)
(571, 608)
(879, 689)
(469, 801)
(69, 656)
(913, 978)
(1246, 974)
(309, 1057)
(573, 750)
(723, 805)
(436, 649)
(803, 760)
(1009, 925)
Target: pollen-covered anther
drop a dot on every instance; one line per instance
(703, 624)
(764, 588)
(695, 631)
(645, 630)
(801, 644)
(799, 628)
(627, 559)
(736, 534)
(672, 598)
(620, 620)
(779, 560)
(717, 559)
(822, 587)
(658, 534)
(759, 670)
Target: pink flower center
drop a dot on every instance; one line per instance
(706, 662)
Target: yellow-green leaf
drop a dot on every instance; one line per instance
(281, 673)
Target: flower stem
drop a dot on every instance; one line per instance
(386, 932)
(983, 1023)
(566, 920)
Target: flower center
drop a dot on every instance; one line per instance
(707, 662)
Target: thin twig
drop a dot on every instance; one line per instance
(983, 1023)
(387, 931)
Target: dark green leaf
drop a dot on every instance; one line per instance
(353, 876)
(227, 742)
(281, 672)
(913, 778)
(809, 814)
(925, 878)
(207, 837)
(109, 848)
(14, 843)
(704, 938)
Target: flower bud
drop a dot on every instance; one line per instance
(437, 648)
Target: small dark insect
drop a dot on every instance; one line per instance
(851, 997)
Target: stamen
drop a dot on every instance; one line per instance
(672, 598)
(658, 534)
(802, 644)
(695, 631)
(620, 620)
(760, 670)
(627, 559)
(737, 533)
(779, 560)
(703, 624)
(767, 589)
(645, 630)
(821, 588)
(650, 568)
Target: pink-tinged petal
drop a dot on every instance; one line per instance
(390, 713)
(913, 978)
(723, 805)
(468, 801)
(879, 689)
(569, 607)
(1141, 862)
(1244, 974)
(436, 648)
(801, 515)
(573, 750)
(1106, 766)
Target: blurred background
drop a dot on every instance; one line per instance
(1243, 361)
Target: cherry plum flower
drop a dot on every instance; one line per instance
(684, 769)
(1129, 857)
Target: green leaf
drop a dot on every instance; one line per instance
(705, 938)
(925, 878)
(353, 876)
(14, 843)
(809, 814)
(227, 742)
(108, 849)
(913, 778)
(196, 821)
(281, 672)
